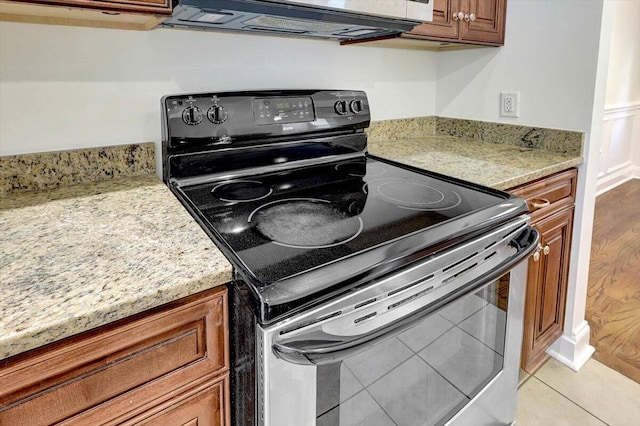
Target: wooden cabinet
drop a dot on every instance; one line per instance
(464, 21)
(167, 366)
(151, 6)
(123, 14)
(551, 201)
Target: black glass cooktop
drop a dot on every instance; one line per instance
(282, 224)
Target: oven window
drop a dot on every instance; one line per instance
(423, 375)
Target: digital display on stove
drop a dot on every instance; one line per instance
(283, 110)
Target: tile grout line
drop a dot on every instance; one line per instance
(520, 385)
(569, 399)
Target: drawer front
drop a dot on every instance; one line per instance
(207, 404)
(548, 195)
(163, 351)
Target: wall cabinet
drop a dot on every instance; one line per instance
(551, 202)
(169, 366)
(464, 21)
(122, 14)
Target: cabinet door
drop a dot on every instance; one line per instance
(488, 26)
(443, 25)
(547, 289)
(120, 369)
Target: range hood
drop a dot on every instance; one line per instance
(334, 19)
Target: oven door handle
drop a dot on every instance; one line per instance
(319, 348)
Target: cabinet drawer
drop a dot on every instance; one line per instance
(206, 404)
(548, 195)
(138, 363)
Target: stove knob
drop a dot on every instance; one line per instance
(340, 107)
(217, 114)
(355, 106)
(192, 115)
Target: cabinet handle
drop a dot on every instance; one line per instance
(536, 254)
(469, 17)
(546, 250)
(458, 16)
(539, 203)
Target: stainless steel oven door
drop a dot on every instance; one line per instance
(454, 361)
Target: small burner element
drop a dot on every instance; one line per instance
(306, 223)
(241, 191)
(415, 195)
(361, 169)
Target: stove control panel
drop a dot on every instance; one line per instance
(212, 119)
(192, 115)
(283, 110)
(217, 114)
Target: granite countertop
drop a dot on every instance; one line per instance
(80, 256)
(499, 166)
(77, 255)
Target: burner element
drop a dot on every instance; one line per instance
(361, 169)
(306, 223)
(415, 195)
(241, 191)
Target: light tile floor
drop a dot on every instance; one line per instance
(596, 395)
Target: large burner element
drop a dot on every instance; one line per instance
(415, 195)
(241, 191)
(305, 223)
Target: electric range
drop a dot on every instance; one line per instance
(318, 230)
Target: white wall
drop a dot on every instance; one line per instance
(551, 58)
(620, 151)
(623, 82)
(548, 57)
(70, 87)
(90, 87)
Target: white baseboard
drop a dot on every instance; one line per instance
(618, 177)
(573, 350)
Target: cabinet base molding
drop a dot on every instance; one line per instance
(573, 350)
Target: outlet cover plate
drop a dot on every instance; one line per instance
(510, 104)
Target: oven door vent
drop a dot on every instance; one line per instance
(414, 289)
(413, 284)
(410, 298)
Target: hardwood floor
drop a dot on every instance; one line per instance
(613, 295)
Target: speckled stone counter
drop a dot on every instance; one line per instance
(498, 155)
(77, 257)
(48, 170)
(495, 165)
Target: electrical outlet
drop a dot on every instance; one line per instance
(509, 104)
